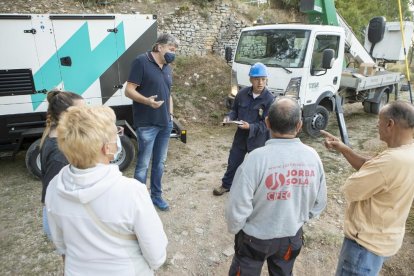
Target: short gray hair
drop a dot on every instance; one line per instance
(284, 115)
(401, 112)
(165, 39)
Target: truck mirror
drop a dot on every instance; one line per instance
(228, 54)
(328, 58)
(376, 30)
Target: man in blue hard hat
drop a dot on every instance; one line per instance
(250, 107)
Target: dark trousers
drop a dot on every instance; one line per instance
(251, 253)
(236, 157)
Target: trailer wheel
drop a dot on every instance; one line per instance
(33, 159)
(127, 154)
(376, 107)
(318, 122)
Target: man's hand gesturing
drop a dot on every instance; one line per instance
(332, 142)
(153, 103)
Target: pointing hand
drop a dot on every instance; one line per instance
(331, 142)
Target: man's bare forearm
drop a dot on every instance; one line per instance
(334, 143)
(356, 160)
(133, 94)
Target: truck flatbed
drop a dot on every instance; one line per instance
(360, 82)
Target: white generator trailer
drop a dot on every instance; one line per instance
(87, 54)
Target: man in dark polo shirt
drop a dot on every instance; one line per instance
(149, 86)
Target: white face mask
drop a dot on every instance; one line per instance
(118, 146)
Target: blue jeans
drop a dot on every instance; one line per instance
(46, 228)
(152, 141)
(355, 260)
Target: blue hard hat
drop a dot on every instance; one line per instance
(258, 70)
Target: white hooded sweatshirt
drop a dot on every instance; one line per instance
(122, 204)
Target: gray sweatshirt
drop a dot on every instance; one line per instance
(276, 190)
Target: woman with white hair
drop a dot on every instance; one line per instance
(102, 222)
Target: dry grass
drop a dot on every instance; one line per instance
(23, 248)
(400, 67)
(269, 15)
(201, 84)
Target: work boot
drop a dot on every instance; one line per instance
(220, 190)
(160, 203)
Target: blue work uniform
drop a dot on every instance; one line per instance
(253, 111)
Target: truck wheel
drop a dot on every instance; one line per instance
(127, 154)
(318, 122)
(367, 106)
(33, 159)
(376, 107)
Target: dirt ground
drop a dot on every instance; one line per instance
(199, 243)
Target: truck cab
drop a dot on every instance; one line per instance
(309, 63)
(294, 55)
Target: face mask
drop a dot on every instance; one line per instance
(119, 147)
(169, 57)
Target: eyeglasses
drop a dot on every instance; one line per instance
(119, 131)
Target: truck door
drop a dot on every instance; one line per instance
(321, 84)
(321, 80)
(86, 49)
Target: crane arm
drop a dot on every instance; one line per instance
(324, 12)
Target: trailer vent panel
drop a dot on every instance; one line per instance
(16, 82)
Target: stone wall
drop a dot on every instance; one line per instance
(203, 32)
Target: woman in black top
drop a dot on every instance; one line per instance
(52, 159)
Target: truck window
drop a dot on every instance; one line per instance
(273, 48)
(323, 42)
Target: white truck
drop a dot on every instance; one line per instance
(306, 61)
(86, 54)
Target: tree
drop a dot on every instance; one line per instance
(357, 13)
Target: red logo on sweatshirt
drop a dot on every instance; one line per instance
(283, 195)
(280, 184)
(274, 180)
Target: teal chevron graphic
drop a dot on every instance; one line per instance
(87, 65)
